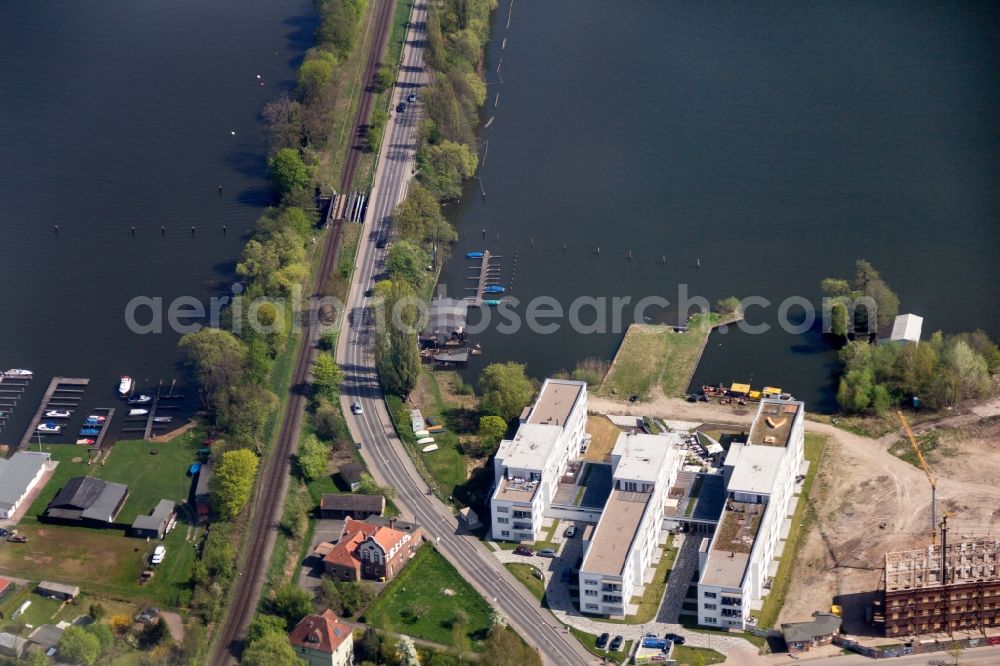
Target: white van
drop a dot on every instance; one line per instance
(158, 554)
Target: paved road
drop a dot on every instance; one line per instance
(382, 450)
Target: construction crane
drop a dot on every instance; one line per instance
(927, 471)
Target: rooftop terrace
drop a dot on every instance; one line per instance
(773, 424)
(734, 538)
(615, 532)
(516, 489)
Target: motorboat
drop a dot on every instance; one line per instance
(141, 399)
(57, 413)
(88, 432)
(429, 448)
(493, 289)
(51, 428)
(125, 385)
(138, 412)
(162, 419)
(491, 301)
(473, 255)
(100, 418)
(85, 441)
(17, 372)
(425, 440)
(93, 422)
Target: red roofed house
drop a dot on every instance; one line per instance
(5, 587)
(322, 640)
(370, 551)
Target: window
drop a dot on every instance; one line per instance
(503, 521)
(711, 620)
(590, 593)
(711, 595)
(505, 533)
(710, 606)
(592, 606)
(503, 508)
(588, 581)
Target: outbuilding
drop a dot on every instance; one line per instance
(801, 636)
(19, 475)
(156, 524)
(342, 505)
(62, 591)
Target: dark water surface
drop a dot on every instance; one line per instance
(119, 114)
(776, 142)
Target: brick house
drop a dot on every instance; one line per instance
(322, 640)
(370, 551)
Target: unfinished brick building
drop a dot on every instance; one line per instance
(921, 593)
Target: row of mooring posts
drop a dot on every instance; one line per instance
(163, 230)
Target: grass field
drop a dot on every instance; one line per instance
(654, 356)
(525, 573)
(104, 560)
(422, 600)
(802, 520)
(693, 656)
(603, 434)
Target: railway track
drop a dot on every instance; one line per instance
(273, 479)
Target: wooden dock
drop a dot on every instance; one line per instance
(109, 413)
(11, 390)
(65, 391)
(484, 276)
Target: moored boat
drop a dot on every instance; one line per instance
(51, 428)
(100, 418)
(141, 399)
(125, 385)
(85, 432)
(138, 412)
(425, 440)
(162, 419)
(18, 372)
(429, 448)
(473, 255)
(85, 441)
(493, 289)
(57, 413)
(491, 301)
(93, 422)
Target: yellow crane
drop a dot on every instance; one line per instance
(927, 471)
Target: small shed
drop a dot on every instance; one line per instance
(154, 526)
(62, 591)
(359, 507)
(470, 518)
(906, 328)
(11, 645)
(351, 473)
(203, 490)
(47, 636)
(801, 636)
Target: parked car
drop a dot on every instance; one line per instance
(401, 107)
(158, 554)
(676, 639)
(524, 550)
(570, 532)
(616, 643)
(602, 640)
(546, 552)
(356, 408)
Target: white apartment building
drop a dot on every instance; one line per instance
(526, 469)
(737, 563)
(621, 549)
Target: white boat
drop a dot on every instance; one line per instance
(49, 428)
(162, 419)
(125, 385)
(17, 372)
(429, 448)
(425, 440)
(138, 412)
(57, 413)
(140, 400)
(421, 433)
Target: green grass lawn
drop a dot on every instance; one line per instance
(421, 602)
(444, 468)
(40, 611)
(694, 656)
(525, 573)
(105, 561)
(655, 356)
(589, 642)
(802, 520)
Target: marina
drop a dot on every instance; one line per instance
(11, 390)
(486, 275)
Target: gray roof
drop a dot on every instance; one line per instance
(351, 472)
(444, 317)
(351, 502)
(204, 478)
(822, 624)
(47, 636)
(61, 588)
(89, 498)
(16, 473)
(157, 520)
(12, 645)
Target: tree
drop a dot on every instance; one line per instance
(444, 166)
(314, 75)
(868, 282)
(270, 650)
(263, 624)
(233, 481)
(419, 219)
(292, 603)
(78, 646)
(384, 77)
(855, 391)
(327, 419)
(505, 648)
(287, 172)
(327, 376)
(154, 633)
(354, 596)
(95, 612)
(369, 648)
(368, 486)
(37, 659)
(396, 354)
(406, 262)
(729, 305)
(120, 624)
(102, 633)
(311, 459)
(217, 358)
(406, 652)
(839, 321)
(243, 411)
(506, 390)
(835, 288)
(491, 431)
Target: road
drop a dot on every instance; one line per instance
(382, 450)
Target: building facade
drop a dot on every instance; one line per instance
(323, 640)
(737, 563)
(19, 475)
(370, 551)
(621, 549)
(526, 469)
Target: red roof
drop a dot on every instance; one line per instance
(4, 584)
(356, 531)
(323, 632)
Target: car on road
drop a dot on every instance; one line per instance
(524, 550)
(546, 552)
(158, 554)
(602, 640)
(570, 532)
(616, 643)
(676, 639)
(4, 532)
(401, 107)
(411, 98)
(356, 408)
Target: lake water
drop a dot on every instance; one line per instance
(121, 114)
(775, 142)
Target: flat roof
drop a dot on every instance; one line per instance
(733, 543)
(556, 400)
(615, 532)
(772, 426)
(907, 327)
(755, 469)
(530, 447)
(516, 490)
(641, 457)
(16, 473)
(725, 569)
(155, 520)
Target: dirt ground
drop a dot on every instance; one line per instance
(868, 501)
